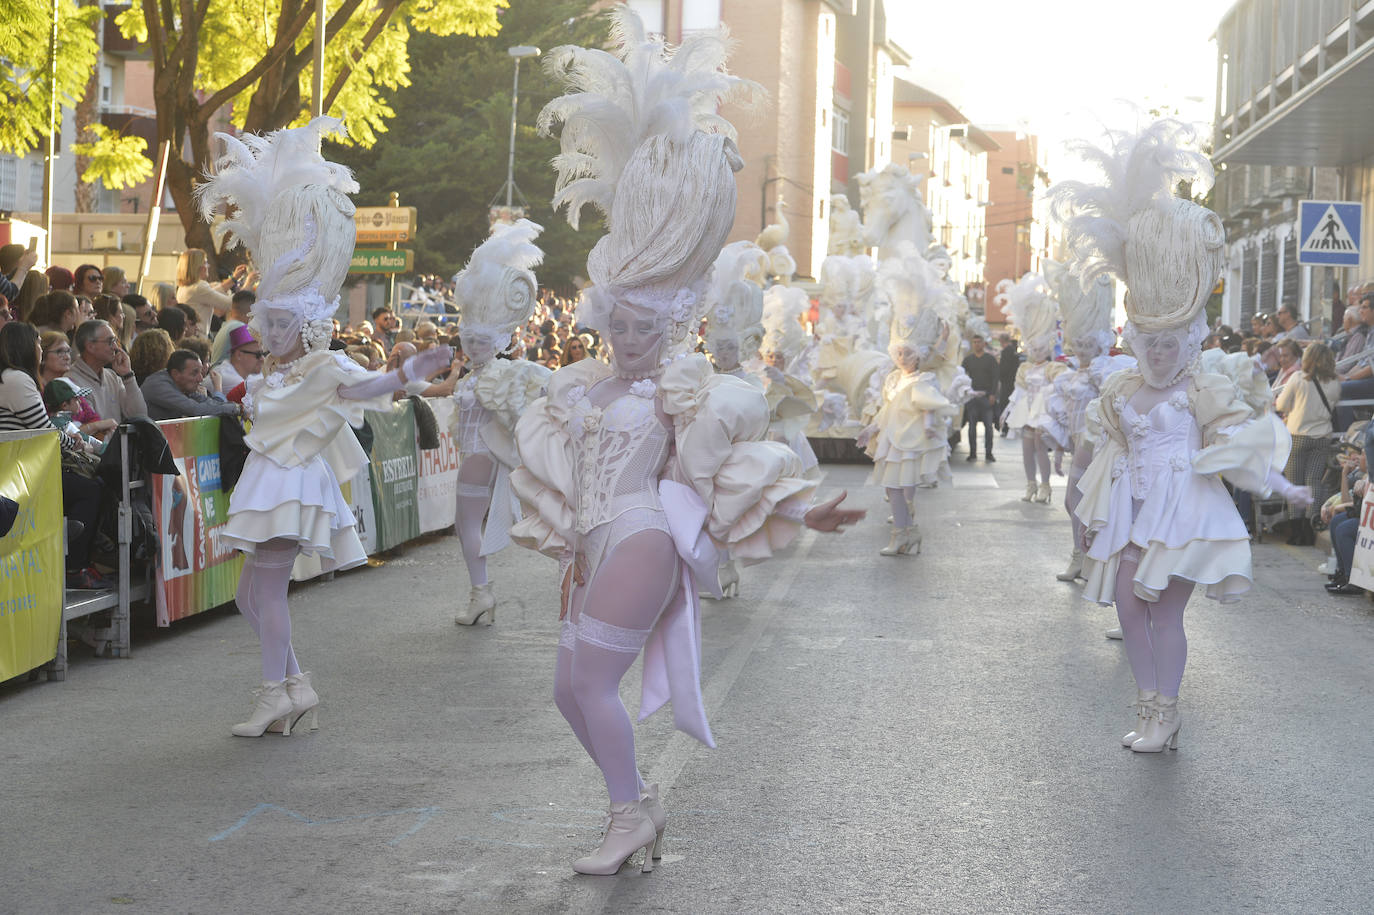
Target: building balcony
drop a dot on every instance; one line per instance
(116, 44)
(842, 81)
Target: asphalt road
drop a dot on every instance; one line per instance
(928, 734)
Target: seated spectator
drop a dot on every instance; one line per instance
(1342, 515)
(240, 304)
(172, 320)
(576, 350)
(63, 400)
(1289, 361)
(198, 345)
(55, 311)
(145, 316)
(149, 353)
(194, 327)
(246, 355)
(104, 368)
(1358, 381)
(164, 296)
(176, 391)
(116, 283)
(21, 407)
(60, 279)
(57, 363)
(34, 287)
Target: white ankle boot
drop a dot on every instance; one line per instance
(1144, 708)
(1030, 492)
(1042, 495)
(1114, 633)
(651, 806)
(1075, 569)
(304, 700)
(729, 579)
(272, 705)
(903, 539)
(1162, 728)
(480, 601)
(629, 831)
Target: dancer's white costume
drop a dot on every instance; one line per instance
(1028, 305)
(634, 475)
(1158, 517)
(786, 379)
(496, 292)
(291, 211)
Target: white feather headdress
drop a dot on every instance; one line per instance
(848, 280)
(1168, 251)
(290, 211)
(783, 307)
(1029, 307)
(1085, 314)
(641, 141)
(496, 290)
(924, 309)
(734, 298)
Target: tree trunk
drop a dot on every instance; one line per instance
(88, 113)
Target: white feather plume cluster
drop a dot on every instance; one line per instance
(924, 308)
(848, 280)
(640, 88)
(496, 290)
(1167, 250)
(734, 296)
(289, 208)
(783, 308)
(1029, 307)
(1084, 314)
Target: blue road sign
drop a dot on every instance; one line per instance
(1330, 232)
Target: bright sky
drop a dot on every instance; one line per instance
(1057, 68)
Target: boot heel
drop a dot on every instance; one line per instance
(648, 866)
(1173, 741)
(657, 851)
(312, 725)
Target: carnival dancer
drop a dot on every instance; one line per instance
(908, 438)
(1086, 320)
(1158, 519)
(1028, 305)
(783, 372)
(635, 471)
(291, 211)
(496, 294)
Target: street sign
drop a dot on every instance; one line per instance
(381, 260)
(385, 224)
(1329, 232)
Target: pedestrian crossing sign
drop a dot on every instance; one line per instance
(1330, 232)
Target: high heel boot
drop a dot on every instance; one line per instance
(629, 831)
(729, 579)
(1030, 492)
(480, 601)
(304, 700)
(1144, 708)
(272, 705)
(903, 539)
(651, 806)
(1075, 569)
(1162, 728)
(1042, 495)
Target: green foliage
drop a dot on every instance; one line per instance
(116, 161)
(447, 147)
(25, 89)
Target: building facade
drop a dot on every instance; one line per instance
(1294, 81)
(1017, 224)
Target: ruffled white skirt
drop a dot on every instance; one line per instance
(1185, 528)
(301, 503)
(896, 468)
(1031, 410)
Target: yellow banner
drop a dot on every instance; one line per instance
(31, 570)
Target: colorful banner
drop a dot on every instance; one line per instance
(395, 475)
(31, 563)
(1362, 562)
(194, 571)
(438, 494)
(358, 494)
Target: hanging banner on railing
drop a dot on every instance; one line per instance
(31, 569)
(439, 473)
(395, 475)
(194, 571)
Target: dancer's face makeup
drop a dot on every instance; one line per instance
(636, 337)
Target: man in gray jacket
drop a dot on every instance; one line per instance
(176, 391)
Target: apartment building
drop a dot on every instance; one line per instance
(1294, 79)
(1017, 222)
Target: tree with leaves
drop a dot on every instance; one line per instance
(26, 89)
(252, 59)
(446, 150)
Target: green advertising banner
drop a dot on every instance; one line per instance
(395, 475)
(194, 572)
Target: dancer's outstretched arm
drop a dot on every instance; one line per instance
(417, 366)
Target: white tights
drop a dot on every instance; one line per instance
(613, 617)
(261, 597)
(900, 499)
(476, 476)
(1153, 632)
(1034, 454)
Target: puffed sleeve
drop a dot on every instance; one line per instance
(1238, 444)
(544, 480)
(1103, 420)
(1058, 405)
(507, 386)
(718, 422)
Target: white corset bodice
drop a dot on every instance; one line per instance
(472, 416)
(1036, 378)
(1163, 440)
(619, 451)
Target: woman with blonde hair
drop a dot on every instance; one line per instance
(195, 289)
(1308, 403)
(149, 353)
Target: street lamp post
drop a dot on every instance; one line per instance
(519, 52)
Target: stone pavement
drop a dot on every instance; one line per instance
(935, 733)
